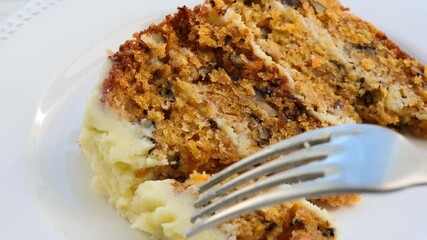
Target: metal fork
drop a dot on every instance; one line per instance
(355, 158)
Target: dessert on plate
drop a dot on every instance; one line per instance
(206, 87)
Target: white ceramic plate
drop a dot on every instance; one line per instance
(48, 67)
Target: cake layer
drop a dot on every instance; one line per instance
(391, 84)
(309, 55)
(348, 60)
(213, 95)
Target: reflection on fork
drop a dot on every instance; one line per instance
(341, 159)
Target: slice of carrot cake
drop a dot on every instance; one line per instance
(187, 97)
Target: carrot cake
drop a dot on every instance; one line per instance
(208, 86)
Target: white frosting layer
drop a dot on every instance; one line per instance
(164, 212)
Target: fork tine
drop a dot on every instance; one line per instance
(307, 189)
(277, 149)
(291, 160)
(303, 173)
